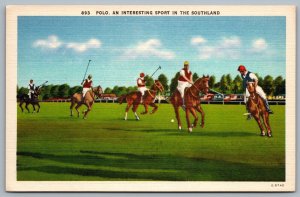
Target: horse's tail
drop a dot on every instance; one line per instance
(121, 98)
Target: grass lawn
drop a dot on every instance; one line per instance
(51, 145)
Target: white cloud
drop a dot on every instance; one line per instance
(230, 42)
(226, 47)
(52, 42)
(82, 47)
(259, 45)
(198, 40)
(151, 47)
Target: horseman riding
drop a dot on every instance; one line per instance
(31, 97)
(87, 97)
(141, 84)
(248, 76)
(143, 96)
(187, 96)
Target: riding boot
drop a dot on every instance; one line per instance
(183, 104)
(268, 107)
(249, 116)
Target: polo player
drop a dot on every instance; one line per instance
(31, 88)
(248, 76)
(87, 85)
(141, 84)
(185, 80)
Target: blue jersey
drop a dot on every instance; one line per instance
(246, 79)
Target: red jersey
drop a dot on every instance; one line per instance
(187, 75)
(87, 84)
(140, 82)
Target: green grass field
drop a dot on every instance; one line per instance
(53, 146)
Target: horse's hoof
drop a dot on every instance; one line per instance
(190, 130)
(263, 134)
(269, 135)
(179, 128)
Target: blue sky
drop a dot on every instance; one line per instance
(57, 49)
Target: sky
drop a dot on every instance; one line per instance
(58, 48)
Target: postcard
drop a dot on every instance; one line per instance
(150, 98)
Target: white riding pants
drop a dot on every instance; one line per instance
(181, 86)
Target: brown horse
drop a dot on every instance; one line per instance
(192, 102)
(24, 98)
(134, 98)
(88, 100)
(257, 108)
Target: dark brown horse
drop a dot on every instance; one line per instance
(88, 100)
(34, 101)
(134, 99)
(258, 110)
(192, 102)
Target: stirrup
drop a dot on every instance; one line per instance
(183, 107)
(249, 117)
(270, 111)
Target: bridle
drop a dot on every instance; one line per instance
(193, 85)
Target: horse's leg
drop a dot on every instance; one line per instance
(195, 116)
(33, 105)
(134, 108)
(176, 109)
(257, 118)
(38, 107)
(71, 107)
(127, 109)
(77, 106)
(146, 109)
(26, 106)
(187, 116)
(155, 108)
(267, 124)
(89, 108)
(21, 103)
(200, 110)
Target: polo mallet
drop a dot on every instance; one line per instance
(86, 71)
(40, 86)
(159, 67)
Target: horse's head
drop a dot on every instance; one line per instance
(202, 84)
(158, 86)
(37, 90)
(251, 87)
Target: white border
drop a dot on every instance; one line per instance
(155, 186)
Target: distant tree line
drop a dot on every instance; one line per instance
(226, 85)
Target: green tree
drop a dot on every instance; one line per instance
(149, 81)
(63, 91)
(283, 85)
(260, 80)
(131, 89)
(174, 82)
(164, 81)
(195, 77)
(229, 83)
(278, 85)
(212, 81)
(268, 85)
(22, 91)
(108, 90)
(46, 92)
(223, 84)
(238, 84)
(75, 89)
(54, 91)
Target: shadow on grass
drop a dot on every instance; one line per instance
(149, 167)
(216, 133)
